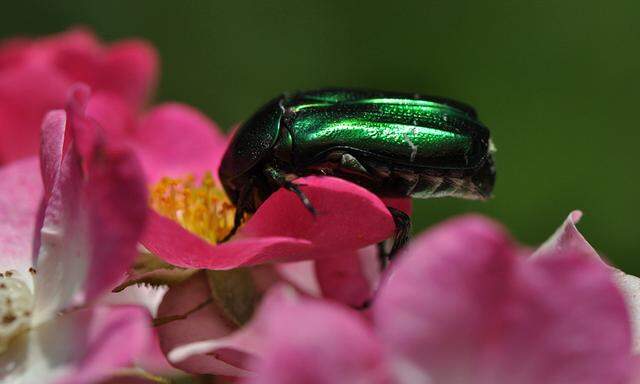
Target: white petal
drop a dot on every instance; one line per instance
(630, 287)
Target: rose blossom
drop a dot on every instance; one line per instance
(462, 305)
(66, 239)
(36, 74)
(177, 148)
(180, 149)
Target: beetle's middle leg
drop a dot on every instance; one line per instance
(400, 237)
(279, 178)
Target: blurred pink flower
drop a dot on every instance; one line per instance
(462, 305)
(36, 74)
(66, 238)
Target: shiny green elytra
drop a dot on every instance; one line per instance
(394, 144)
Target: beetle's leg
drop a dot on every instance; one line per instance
(348, 161)
(243, 198)
(400, 237)
(403, 229)
(279, 179)
(295, 188)
(383, 256)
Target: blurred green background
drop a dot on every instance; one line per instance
(556, 81)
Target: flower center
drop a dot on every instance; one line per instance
(16, 306)
(201, 208)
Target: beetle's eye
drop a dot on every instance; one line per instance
(202, 207)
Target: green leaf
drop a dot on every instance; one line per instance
(235, 292)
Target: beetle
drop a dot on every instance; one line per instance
(394, 144)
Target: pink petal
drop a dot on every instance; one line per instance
(35, 76)
(629, 285)
(130, 70)
(349, 277)
(461, 307)
(52, 146)
(92, 219)
(317, 342)
(174, 140)
(172, 243)
(103, 333)
(200, 322)
(83, 346)
(127, 69)
(20, 194)
(26, 94)
(64, 247)
(348, 217)
(568, 238)
(301, 275)
(116, 201)
(74, 40)
(114, 115)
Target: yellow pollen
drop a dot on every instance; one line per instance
(201, 208)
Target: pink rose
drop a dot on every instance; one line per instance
(462, 305)
(36, 74)
(68, 236)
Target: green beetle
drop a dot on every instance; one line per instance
(394, 144)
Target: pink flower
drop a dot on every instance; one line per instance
(198, 336)
(463, 306)
(180, 150)
(66, 239)
(36, 74)
(177, 146)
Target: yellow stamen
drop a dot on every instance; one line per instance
(201, 208)
(16, 306)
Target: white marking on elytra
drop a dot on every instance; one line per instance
(414, 148)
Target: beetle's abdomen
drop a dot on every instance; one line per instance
(468, 184)
(414, 133)
(394, 180)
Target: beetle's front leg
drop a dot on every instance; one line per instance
(278, 178)
(241, 208)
